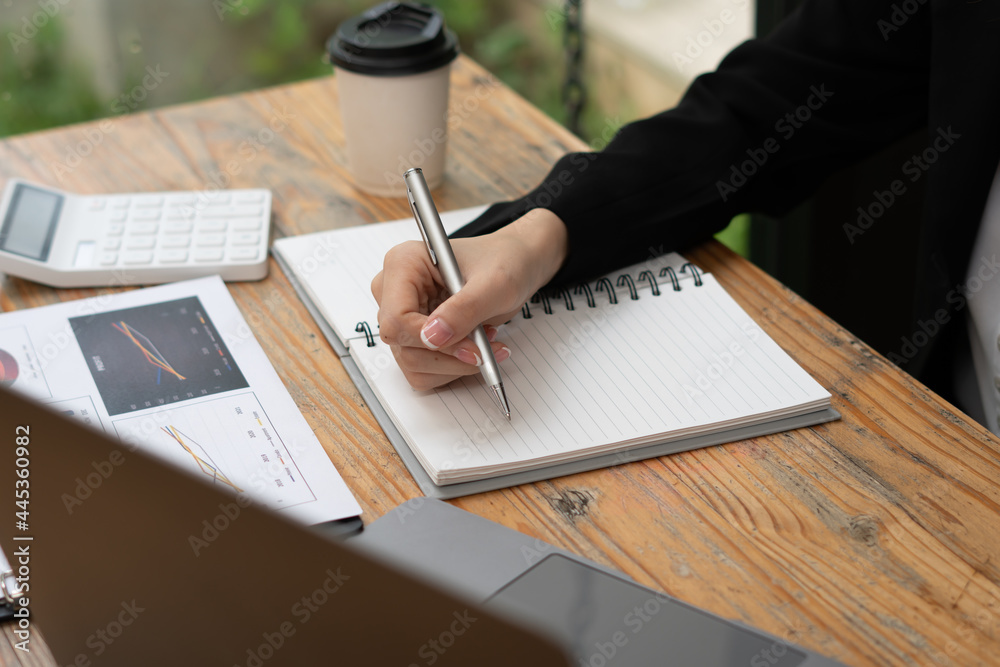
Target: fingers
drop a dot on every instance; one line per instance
(425, 369)
(403, 290)
(484, 297)
(427, 328)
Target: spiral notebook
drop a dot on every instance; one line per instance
(654, 359)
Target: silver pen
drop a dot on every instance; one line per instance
(439, 247)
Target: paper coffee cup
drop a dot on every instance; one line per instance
(393, 64)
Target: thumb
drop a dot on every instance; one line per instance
(459, 314)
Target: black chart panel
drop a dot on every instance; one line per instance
(155, 355)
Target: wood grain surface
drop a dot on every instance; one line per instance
(874, 539)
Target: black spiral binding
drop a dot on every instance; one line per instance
(695, 271)
(605, 283)
(369, 338)
(585, 288)
(669, 271)
(648, 275)
(626, 279)
(567, 299)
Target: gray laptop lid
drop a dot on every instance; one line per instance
(134, 563)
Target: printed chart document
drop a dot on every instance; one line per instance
(175, 371)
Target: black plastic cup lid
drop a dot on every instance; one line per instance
(391, 39)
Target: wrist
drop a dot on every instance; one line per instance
(546, 240)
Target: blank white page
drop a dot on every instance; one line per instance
(600, 379)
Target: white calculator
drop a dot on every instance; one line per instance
(67, 240)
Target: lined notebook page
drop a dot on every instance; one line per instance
(336, 268)
(600, 379)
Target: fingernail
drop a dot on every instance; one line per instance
(503, 354)
(491, 333)
(436, 333)
(467, 357)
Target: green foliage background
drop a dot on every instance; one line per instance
(43, 86)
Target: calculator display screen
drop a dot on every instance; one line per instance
(30, 223)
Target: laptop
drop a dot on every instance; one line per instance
(130, 561)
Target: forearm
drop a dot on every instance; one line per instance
(546, 243)
(668, 182)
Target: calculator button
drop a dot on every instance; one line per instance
(120, 202)
(148, 202)
(245, 238)
(172, 256)
(111, 244)
(118, 216)
(210, 239)
(178, 200)
(115, 229)
(246, 225)
(180, 214)
(232, 212)
(107, 258)
(218, 199)
(208, 255)
(211, 225)
(138, 257)
(146, 215)
(248, 197)
(243, 254)
(175, 241)
(140, 243)
(143, 228)
(177, 227)
(97, 204)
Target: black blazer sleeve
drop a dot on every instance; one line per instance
(834, 82)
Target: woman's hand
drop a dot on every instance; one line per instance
(427, 329)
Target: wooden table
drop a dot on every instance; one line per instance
(874, 539)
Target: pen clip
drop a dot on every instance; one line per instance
(420, 225)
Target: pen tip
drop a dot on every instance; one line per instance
(500, 398)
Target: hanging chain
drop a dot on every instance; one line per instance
(574, 94)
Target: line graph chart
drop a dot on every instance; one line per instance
(152, 355)
(155, 355)
(228, 441)
(202, 459)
